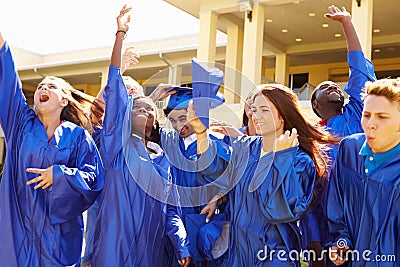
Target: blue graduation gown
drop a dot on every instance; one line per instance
(192, 190)
(361, 209)
(42, 227)
(267, 196)
(361, 71)
(313, 225)
(133, 215)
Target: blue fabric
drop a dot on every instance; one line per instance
(267, 196)
(42, 227)
(361, 71)
(363, 210)
(194, 182)
(206, 83)
(373, 161)
(89, 237)
(347, 123)
(181, 98)
(134, 215)
(203, 235)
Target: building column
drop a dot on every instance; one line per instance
(175, 75)
(252, 50)
(207, 36)
(282, 62)
(233, 64)
(104, 78)
(362, 20)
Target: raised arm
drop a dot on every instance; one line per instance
(344, 17)
(122, 20)
(361, 69)
(116, 96)
(129, 57)
(13, 106)
(203, 140)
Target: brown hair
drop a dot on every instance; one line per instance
(312, 140)
(389, 88)
(82, 108)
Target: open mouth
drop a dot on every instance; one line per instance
(183, 130)
(141, 114)
(44, 98)
(334, 92)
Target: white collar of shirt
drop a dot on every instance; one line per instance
(156, 148)
(190, 139)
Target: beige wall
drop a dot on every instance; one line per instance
(337, 72)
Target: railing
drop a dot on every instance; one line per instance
(161, 104)
(304, 92)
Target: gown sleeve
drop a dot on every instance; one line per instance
(175, 228)
(76, 188)
(116, 99)
(334, 204)
(361, 71)
(212, 163)
(13, 106)
(287, 191)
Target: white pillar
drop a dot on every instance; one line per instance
(104, 78)
(233, 64)
(252, 50)
(282, 69)
(176, 75)
(207, 36)
(362, 20)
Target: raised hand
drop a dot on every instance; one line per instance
(225, 129)
(286, 140)
(336, 14)
(161, 92)
(45, 178)
(194, 120)
(203, 141)
(129, 57)
(124, 18)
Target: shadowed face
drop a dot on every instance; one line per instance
(329, 99)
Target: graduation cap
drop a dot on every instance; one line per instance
(203, 236)
(206, 83)
(179, 100)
